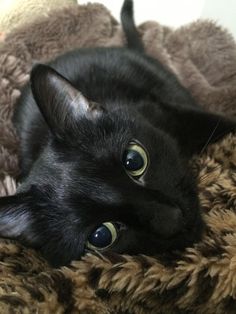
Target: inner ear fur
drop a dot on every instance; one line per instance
(60, 103)
(15, 216)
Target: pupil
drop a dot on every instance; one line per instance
(101, 237)
(133, 160)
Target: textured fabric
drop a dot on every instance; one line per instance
(14, 12)
(200, 279)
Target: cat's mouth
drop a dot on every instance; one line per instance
(180, 224)
(191, 232)
(168, 222)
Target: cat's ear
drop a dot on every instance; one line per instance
(60, 103)
(15, 220)
(195, 128)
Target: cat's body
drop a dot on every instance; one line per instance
(106, 143)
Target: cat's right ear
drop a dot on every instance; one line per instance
(60, 103)
(15, 219)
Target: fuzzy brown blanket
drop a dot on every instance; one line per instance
(201, 279)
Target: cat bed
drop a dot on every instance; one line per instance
(199, 280)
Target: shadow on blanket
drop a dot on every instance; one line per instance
(200, 280)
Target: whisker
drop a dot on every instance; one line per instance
(210, 137)
(202, 150)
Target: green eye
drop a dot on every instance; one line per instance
(135, 159)
(102, 237)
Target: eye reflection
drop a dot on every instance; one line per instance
(102, 237)
(135, 160)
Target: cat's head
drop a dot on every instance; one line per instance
(108, 179)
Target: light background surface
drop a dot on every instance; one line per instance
(178, 12)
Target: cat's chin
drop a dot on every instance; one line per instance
(191, 234)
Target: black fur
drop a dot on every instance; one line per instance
(75, 126)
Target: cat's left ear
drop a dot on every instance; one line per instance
(60, 103)
(195, 128)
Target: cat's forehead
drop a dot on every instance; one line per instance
(99, 191)
(107, 129)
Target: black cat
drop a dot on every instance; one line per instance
(106, 135)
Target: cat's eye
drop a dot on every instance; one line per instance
(102, 237)
(135, 159)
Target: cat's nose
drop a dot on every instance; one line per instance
(168, 221)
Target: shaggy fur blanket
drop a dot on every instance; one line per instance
(201, 279)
